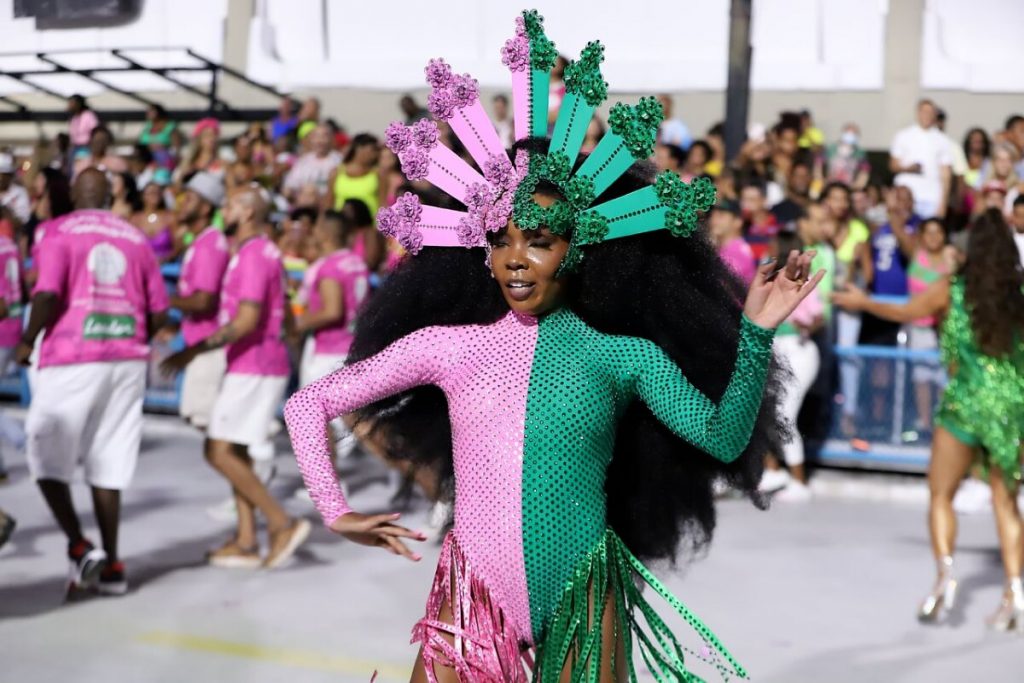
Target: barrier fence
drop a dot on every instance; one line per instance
(885, 430)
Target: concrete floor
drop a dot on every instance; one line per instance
(820, 593)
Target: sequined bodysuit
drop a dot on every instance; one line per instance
(533, 405)
(983, 404)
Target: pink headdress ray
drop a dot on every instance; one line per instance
(415, 225)
(423, 157)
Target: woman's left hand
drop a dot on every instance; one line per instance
(771, 300)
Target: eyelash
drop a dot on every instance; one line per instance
(538, 244)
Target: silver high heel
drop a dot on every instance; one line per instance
(1010, 614)
(943, 595)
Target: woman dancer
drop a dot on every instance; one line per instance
(982, 408)
(583, 392)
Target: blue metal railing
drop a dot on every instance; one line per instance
(887, 443)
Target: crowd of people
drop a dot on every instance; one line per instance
(273, 232)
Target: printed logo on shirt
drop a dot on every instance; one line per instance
(107, 263)
(108, 326)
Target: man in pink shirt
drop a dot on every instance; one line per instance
(726, 225)
(198, 297)
(337, 284)
(252, 317)
(99, 296)
(335, 287)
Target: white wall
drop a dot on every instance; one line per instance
(899, 46)
(652, 45)
(977, 46)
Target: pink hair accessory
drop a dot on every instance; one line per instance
(208, 123)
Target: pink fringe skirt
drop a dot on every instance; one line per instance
(480, 643)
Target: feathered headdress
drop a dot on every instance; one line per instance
(505, 189)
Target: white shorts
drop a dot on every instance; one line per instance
(89, 413)
(246, 405)
(317, 365)
(925, 339)
(200, 385)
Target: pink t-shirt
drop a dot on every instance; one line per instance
(80, 127)
(202, 270)
(351, 273)
(108, 281)
(738, 255)
(255, 274)
(10, 292)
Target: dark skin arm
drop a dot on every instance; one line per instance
(197, 303)
(45, 307)
(155, 322)
(244, 323)
(332, 310)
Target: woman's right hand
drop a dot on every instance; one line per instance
(379, 531)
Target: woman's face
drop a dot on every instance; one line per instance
(151, 195)
(976, 142)
(838, 204)
(39, 186)
(860, 202)
(368, 154)
(525, 262)
(117, 186)
(208, 138)
(1002, 163)
(243, 150)
(932, 237)
(697, 158)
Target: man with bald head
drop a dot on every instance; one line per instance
(252, 317)
(99, 296)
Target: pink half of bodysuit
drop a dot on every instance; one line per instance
(483, 375)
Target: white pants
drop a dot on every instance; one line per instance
(804, 360)
(200, 384)
(89, 413)
(847, 334)
(317, 365)
(245, 407)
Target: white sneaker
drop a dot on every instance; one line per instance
(974, 497)
(794, 492)
(773, 480)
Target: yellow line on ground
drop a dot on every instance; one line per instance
(304, 659)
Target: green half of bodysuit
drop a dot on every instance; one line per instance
(580, 384)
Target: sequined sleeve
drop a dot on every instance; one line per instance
(420, 358)
(721, 430)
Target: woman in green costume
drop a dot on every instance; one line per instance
(580, 393)
(981, 414)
